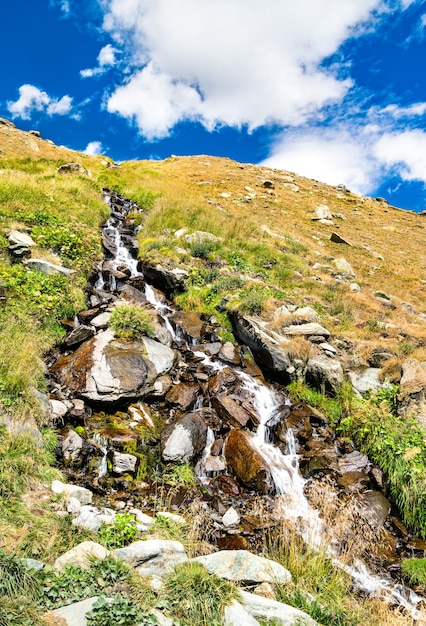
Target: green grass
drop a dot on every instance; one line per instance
(131, 322)
(415, 571)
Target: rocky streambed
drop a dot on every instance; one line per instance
(134, 413)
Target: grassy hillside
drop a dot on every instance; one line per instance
(269, 251)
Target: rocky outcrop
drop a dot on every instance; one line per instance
(105, 369)
(243, 566)
(165, 278)
(412, 391)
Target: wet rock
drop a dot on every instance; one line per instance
(183, 395)
(123, 463)
(101, 320)
(154, 557)
(86, 316)
(105, 369)
(132, 294)
(230, 411)
(190, 323)
(81, 555)
(72, 447)
(77, 336)
(354, 481)
(229, 353)
(183, 440)
(247, 463)
(222, 380)
(227, 484)
(243, 566)
(166, 279)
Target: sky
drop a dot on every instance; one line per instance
(334, 90)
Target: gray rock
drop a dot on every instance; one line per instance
(123, 463)
(200, 237)
(306, 330)
(101, 320)
(264, 608)
(72, 447)
(45, 267)
(323, 371)
(236, 615)
(73, 168)
(243, 566)
(367, 380)
(231, 517)
(166, 279)
(58, 409)
(77, 336)
(183, 440)
(343, 267)
(154, 557)
(83, 495)
(412, 392)
(322, 212)
(161, 356)
(88, 518)
(81, 555)
(16, 237)
(74, 614)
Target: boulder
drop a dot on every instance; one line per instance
(45, 267)
(322, 212)
(183, 440)
(367, 380)
(16, 237)
(343, 267)
(105, 369)
(322, 371)
(266, 609)
(247, 463)
(58, 409)
(73, 168)
(154, 557)
(244, 567)
(229, 353)
(306, 330)
(165, 278)
(336, 238)
(81, 555)
(83, 495)
(189, 323)
(236, 615)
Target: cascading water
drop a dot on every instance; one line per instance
(289, 484)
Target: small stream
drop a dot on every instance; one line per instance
(266, 400)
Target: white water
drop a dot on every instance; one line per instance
(289, 483)
(102, 444)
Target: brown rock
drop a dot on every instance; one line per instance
(230, 411)
(247, 463)
(183, 394)
(223, 379)
(229, 353)
(190, 323)
(353, 481)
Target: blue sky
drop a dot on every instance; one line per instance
(331, 89)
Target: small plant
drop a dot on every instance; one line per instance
(203, 249)
(120, 533)
(415, 571)
(131, 322)
(180, 475)
(118, 610)
(197, 597)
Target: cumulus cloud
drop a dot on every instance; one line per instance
(32, 99)
(230, 62)
(333, 156)
(106, 59)
(93, 148)
(405, 152)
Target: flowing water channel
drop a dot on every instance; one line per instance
(266, 400)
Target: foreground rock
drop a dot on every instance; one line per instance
(105, 369)
(183, 440)
(154, 557)
(247, 463)
(243, 566)
(264, 608)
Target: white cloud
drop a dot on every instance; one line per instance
(417, 109)
(60, 107)
(405, 152)
(93, 148)
(106, 59)
(32, 99)
(230, 62)
(332, 156)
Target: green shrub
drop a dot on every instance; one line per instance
(415, 571)
(118, 610)
(120, 533)
(197, 597)
(203, 249)
(131, 322)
